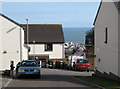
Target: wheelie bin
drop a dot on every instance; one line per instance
(65, 64)
(54, 64)
(57, 64)
(61, 64)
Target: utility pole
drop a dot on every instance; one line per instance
(27, 39)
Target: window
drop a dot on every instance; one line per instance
(48, 47)
(82, 61)
(106, 35)
(29, 64)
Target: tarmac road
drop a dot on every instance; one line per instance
(54, 78)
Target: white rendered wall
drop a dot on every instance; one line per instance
(108, 53)
(25, 55)
(11, 43)
(57, 53)
(0, 43)
(119, 45)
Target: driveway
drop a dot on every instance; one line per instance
(53, 78)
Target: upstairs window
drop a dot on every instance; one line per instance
(106, 35)
(48, 47)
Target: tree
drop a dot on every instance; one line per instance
(90, 37)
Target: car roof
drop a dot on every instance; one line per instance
(28, 60)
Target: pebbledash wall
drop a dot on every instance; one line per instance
(12, 42)
(56, 53)
(107, 61)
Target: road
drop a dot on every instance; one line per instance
(53, 78)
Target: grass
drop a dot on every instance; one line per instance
(103, 82)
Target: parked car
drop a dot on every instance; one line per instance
(82, 64)
(29, 67)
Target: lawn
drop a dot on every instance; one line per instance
(103, 82)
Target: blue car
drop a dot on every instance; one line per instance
(29, 67)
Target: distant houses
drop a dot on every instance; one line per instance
(11, 41)
(46, 42)
(107, 40)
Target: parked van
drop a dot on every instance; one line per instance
(72, 60)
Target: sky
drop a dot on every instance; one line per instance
(69, 14)
(51, 0)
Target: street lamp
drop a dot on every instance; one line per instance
(34, 49)
(27, 38)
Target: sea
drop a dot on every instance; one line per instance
(75, 34)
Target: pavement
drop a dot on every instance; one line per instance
(4, 79)
(54, 78)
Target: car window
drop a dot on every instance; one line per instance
(83, 61)
(50, 63)
(29, 64)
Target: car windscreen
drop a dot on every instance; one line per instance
(50, 63)
(29, 64)
(82, 61)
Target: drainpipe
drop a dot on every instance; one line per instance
(21, 45)
(27, 38)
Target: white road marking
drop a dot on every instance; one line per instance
(7, 83)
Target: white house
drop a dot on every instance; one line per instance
(0, 51)
(107, 39)
(12, 41)
(46, 41)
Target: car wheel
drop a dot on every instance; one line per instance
(76, 69)
(19, 77)
(73, 69)
(39, 76)
(87, 70)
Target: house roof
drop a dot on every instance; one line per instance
(117, 4)
(44, 33)
(11, 20)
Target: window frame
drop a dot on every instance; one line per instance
(46, 47)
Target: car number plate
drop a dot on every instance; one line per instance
(29, 73)
(82, 66)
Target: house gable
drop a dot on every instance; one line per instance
(97, 12)
(117, 4)
(11, 20)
